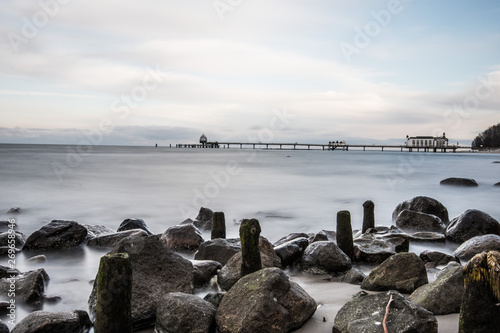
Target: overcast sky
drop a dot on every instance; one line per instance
(146, 72)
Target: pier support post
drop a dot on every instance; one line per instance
(114, 294)
(344, 233)
(368, 215)
(480, 312)
(218, 225)
(250, 252)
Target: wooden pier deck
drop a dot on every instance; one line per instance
(319, 146)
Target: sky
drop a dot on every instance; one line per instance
(162, 71)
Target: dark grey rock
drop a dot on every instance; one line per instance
(476, 245)
(204, 219)
(324, 257)
(374, 248)
(443, 296)
(56, 235)
(353, 276)
(453, 181)
(291, 251)
(437, 257)
(37, 259)
(7, 237)
(7, 272)
(14, 210)
(403, 272)
(50, 322)
(184, 313)
(184, 237)
(134, 223)
(471, 223)
(94, 231)
(3, 327)
(427, 236)
(214, 298)
(110, 240)
(324, 236)
(412, 221)
(264, 301)
(289, 238)
(7, 225)
(365, 313)
(155, 270)
(204, 271)
(29, 286)
(218, 249)
(425, 205)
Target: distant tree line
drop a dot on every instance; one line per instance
(488, 139)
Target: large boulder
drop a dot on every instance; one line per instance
(184, 313)
(110, 240)
(412, 221)
(443, 296)
(290, 237)
(49, 322)
(291, 251)
(218, 249)
(471, 223)
(56, 235)
(454, 181)
(231, 272)
(155, 271)
(134, 223)
(182, 237)
(365, 313)
(264, 301)
(324, 257)
(204, 219)
(376, 247)
(425, 205)
(476, 245)
(29, 286)
(403, 272)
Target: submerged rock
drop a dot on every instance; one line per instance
(409, 220)
(471, 223)
(184, 313)
(14, 210)
(437, 257)
(110, 240)
(376, 247)
(18, 237)
(204, 219)
(182, 237)
(403, 272)
(365, 313)
(218, 249)
(56, 235)
(353, 276)
(467, 182)
(134, 223)
(49, 322)
(264, 301)
(324, 257)
(29, 287)
(425, 205)
(476, 245)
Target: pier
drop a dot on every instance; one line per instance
(318, 146)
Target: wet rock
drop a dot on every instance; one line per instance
(433, 237)
(184, 313)
(185, 237)
(214, 298)
(324, 257)
(218, 249)
(466, 182)
(204, 219)
(497, 184)
(231, 272)
(18, 237)
(291, 251)
(134, 223)
(374, 248)
(437, 257)
(290, 237)
(443, 296)
(7, 225)
(425, 205)
(56, 235)
(37, 259)
(49, 322)
(110, 240)
(264, 301)
(412, 221)
(476, 245)
(3, 327)
(155, 270)
(94, 231)
(353, 276)
(365, 313)
(14, 210)
(29, 286)
(324, 236)
(204, 271)
(403, 272)
(7, 272)
(471, 223)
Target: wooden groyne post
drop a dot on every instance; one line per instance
(218, 225)
(250, 252)
(368, 215)
(344, 233)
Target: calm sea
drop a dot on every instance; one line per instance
(287, 191)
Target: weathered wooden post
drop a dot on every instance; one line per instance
(218, 225)
(250, 252)
(114, 294)
(480, 312)
(344, 233)
(368, 215)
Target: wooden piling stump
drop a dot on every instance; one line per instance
(344, 233)
(218, 225)
(368, 215)
(250, 252)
